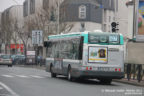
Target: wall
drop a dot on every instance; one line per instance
(89, 26)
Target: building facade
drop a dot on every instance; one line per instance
(83, 14)
(122, 18)
(12, 22)
(0, 33)
(90, 14)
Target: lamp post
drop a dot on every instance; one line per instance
(58, 31)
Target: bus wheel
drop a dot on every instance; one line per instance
(69, 76)
(53, 75)
(106, 81)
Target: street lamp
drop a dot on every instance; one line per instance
(58, 31)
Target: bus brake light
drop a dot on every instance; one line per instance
(119, 69)
(86, 68)
(90, 68)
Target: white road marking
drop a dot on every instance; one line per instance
(8, 89)
(22, 76)
(35, 76)
(7, 76)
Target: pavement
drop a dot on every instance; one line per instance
(131, 82)
(124, 80)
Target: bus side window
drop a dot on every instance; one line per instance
(49, 49)
(75, 49)
(57, 50)
(81, 48)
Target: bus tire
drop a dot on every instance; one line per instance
(69, 76)
(53, 75)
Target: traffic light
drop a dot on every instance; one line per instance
(52, 17)
(114, 26)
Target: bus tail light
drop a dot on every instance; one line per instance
(86, 68)
(119, 69)
(90, 68)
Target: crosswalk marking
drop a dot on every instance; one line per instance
(23, 76)
(36, 76)
(7, 76)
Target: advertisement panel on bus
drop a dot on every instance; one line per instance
(140, 20)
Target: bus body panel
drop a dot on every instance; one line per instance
(115, 61)
(75, 65)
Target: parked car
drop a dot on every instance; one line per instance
(18, 59)
(6, 60)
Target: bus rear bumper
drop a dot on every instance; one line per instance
(100, 74)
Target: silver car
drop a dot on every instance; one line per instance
(6, 60)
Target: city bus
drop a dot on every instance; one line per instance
(88, 55)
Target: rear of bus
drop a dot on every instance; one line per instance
(103, 56)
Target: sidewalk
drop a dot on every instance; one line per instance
(132, 82)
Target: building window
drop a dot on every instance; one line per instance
(25, 12)
(82, 12)
(105, 15)
(32, 6)
(45, 4)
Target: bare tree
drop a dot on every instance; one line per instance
(7, 32)
(1, 35)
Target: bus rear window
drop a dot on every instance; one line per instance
(93, 39)
(113, 39)
(98, 39)
(101, 38)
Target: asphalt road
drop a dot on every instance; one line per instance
(19, 81)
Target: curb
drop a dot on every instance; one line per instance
(130, 82)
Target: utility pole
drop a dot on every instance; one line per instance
(58, 19)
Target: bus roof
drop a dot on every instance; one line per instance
(75, 34)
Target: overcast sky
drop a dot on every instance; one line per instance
(4, 4)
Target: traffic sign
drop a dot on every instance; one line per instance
(37, 37)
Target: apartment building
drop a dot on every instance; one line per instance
(90, 14)
(82, 14)
(12, 20)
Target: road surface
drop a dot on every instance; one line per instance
(19, 81)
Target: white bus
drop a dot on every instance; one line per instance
(86, 55)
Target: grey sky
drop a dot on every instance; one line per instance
(4, 4)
